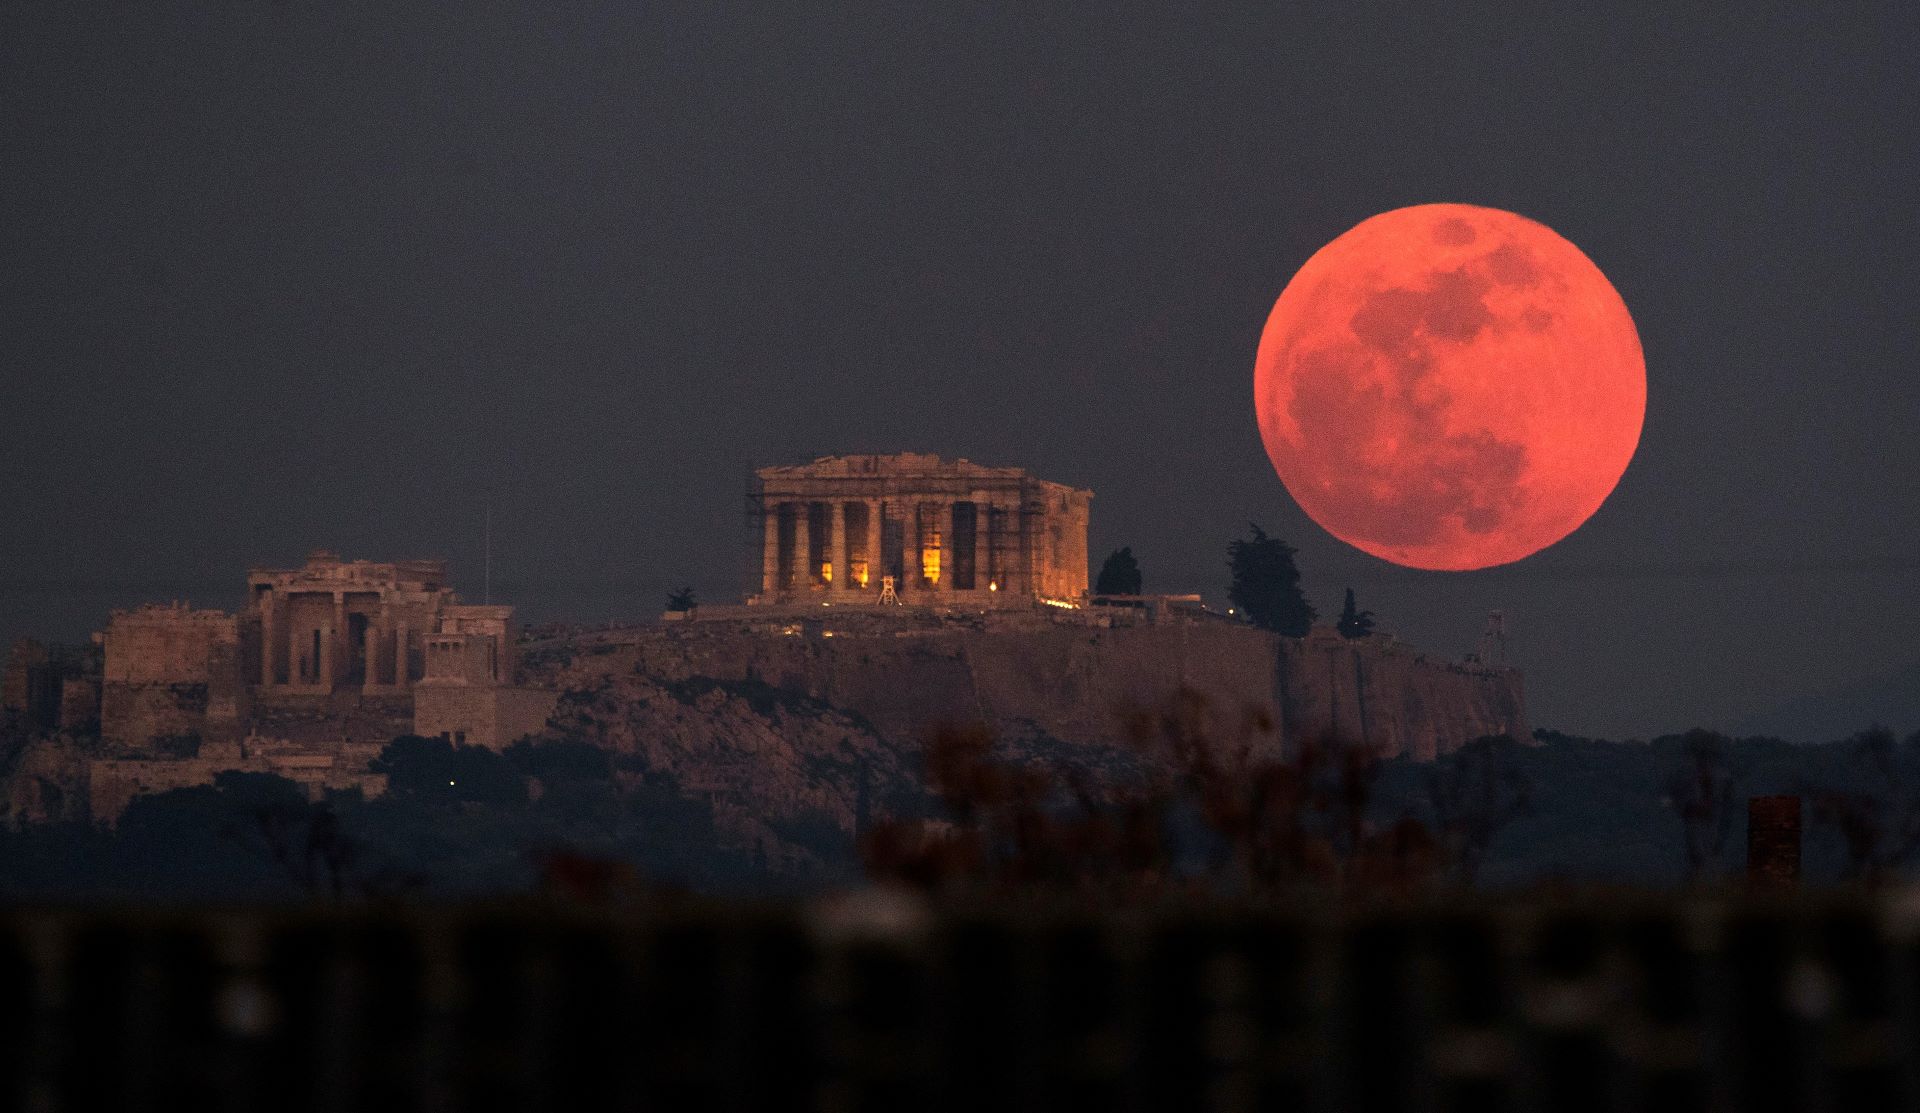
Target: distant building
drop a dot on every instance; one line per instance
(325, 664)
(945, 531)
(468, 694)
(50, 687)
(331, 624)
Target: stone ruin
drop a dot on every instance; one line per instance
(943, 531)
(327, 662)
(324, 665)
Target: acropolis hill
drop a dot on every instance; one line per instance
(886, 596)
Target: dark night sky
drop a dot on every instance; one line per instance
(275, 277)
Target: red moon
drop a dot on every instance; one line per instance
(1450, 387)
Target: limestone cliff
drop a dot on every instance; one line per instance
(1074, 682)
(786, 775)
(801, 726)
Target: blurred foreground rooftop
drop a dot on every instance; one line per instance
(874, 1001)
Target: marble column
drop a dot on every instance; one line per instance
(770, 549)
(1023, 549)
(837, 546)
(945, 519)
(874, 521)
(803, 569)
(342, 652)
(269, 632)
(370, 675)
(326, 657)
(400, 653)
(910, 549)
(982, 555)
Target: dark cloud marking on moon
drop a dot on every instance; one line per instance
(1452, 307)
(1513, 265)
(1370, 405)
(1453, 232)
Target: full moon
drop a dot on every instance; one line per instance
(1450, 387)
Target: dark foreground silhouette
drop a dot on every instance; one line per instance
(875, 1001)
(1201, 811)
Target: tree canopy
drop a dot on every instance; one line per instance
(1266, 584)
(1354, 623)
(1120, 575)
(439, 770)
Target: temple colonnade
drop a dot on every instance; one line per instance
(842, 546)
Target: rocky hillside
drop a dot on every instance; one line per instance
(797, 733)
(786, 775)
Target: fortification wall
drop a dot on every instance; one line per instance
(18, 689)
(480, 716)
(112, 784)
(171, 671)
(170, 645)
(1394, 698)
(1077, 682)
(80, 705)
(44, 781)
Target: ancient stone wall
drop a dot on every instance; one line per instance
(1061, 549)
(20, 694)
(1077, 683)
(114, 783)
(480, 716)
(80, 705)
(44, 781)
(171, 671)
(339, 719)
(46, 688)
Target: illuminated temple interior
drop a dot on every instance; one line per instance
(942, 530)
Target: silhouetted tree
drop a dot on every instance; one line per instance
(1120, 575)
(1216, 811)
(1266, 584)
(682, 600)
(1354, 623)
(1700, 791)
(1475, 791)
(570, 759)
(434, 769)
(1878, 818)
(267, 818)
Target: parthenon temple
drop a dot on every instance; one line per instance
(841, 527)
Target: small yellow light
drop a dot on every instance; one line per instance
(993, 585)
